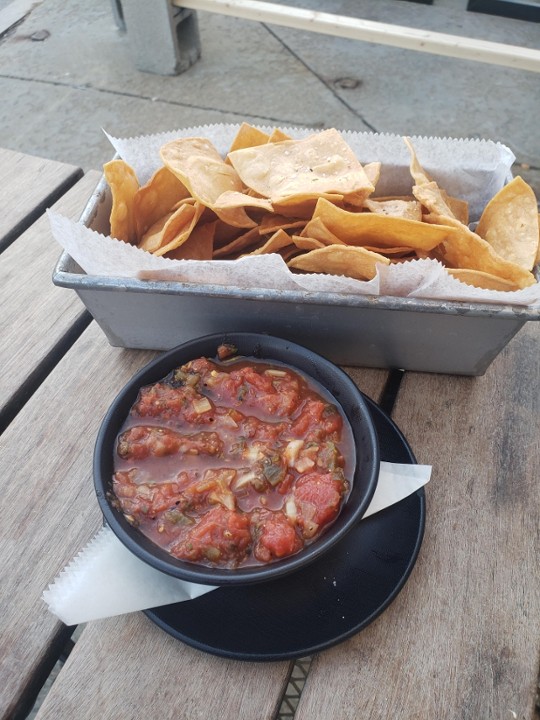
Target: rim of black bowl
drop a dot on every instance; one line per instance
(259, 346)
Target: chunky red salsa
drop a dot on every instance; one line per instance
(233, 463)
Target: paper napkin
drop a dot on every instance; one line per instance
(106, 579)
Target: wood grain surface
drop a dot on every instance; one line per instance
(29, 185)
(47, 503)
(462, 640)
(36, 315)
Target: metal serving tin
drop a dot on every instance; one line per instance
(385, 332)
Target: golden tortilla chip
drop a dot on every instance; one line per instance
(354, 262)
(248, 136)
(172, 230)
(199, 166)
(167, 227)
(198, 246)
(303, 206)
(509, 223)
(124, 185)
(392, 251)
(210, 180)
(373, 172)
(251, 237)
(183, 234)
(272, 222)
(320, 163)
(278, 135)
(289, 252)
(157, 198)
(278, 241)
(380, 230)
(316, 229)
(438, 201)
(307, 243)
(431, 197)
(396, 208)
(482, 280)
(465, 249)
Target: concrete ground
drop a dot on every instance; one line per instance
(59, 92)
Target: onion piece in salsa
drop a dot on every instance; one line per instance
(232, 462)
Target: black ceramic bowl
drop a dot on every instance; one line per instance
(262, 347)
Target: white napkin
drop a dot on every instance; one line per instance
(106, 579)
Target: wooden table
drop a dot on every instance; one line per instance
(461, 640)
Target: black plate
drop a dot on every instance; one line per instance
(321, 605)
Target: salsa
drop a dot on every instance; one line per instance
(231, 462)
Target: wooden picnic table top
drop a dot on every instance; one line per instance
(461, 639)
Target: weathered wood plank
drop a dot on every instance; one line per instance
(47, 502)
(36, 315)
(371, 382)
(462, 640)
(29, 186)
(128, 668)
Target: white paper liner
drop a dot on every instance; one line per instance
(105, 579)
(471, 169)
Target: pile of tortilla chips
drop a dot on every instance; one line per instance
(311, 201)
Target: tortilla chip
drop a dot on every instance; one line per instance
(167, 227)
(303, 206)
(320, 163)
(251, 237)
(509, 223)
(198, 246)
(435, 199)
(307, 243)
(354, 262)
(289, 252)
(410, 209)
(278, 135)
(199, 166)
(157, 198)
(124, 186)
(279, 240)
(272, 222)
(392, 251)
(316, 229)
(482, 280)
(380, 230)
(373, 172)
(183, 234)
(418, 173)
(248, 136)
(465, 249)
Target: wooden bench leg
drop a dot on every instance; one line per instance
(163, 39)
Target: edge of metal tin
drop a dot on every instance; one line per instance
(65, 276)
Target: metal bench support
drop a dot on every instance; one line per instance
(164, 35)
(163, 39)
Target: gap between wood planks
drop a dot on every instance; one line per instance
(38, 375)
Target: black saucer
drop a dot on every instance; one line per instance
(321, 605)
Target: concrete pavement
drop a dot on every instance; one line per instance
(59, 92)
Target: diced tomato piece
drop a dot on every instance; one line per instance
(318, 420)
(318, 498)
(276, 537)
(144, 499)
(221, 536)
(140, 442)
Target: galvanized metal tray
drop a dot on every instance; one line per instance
(366, 331)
